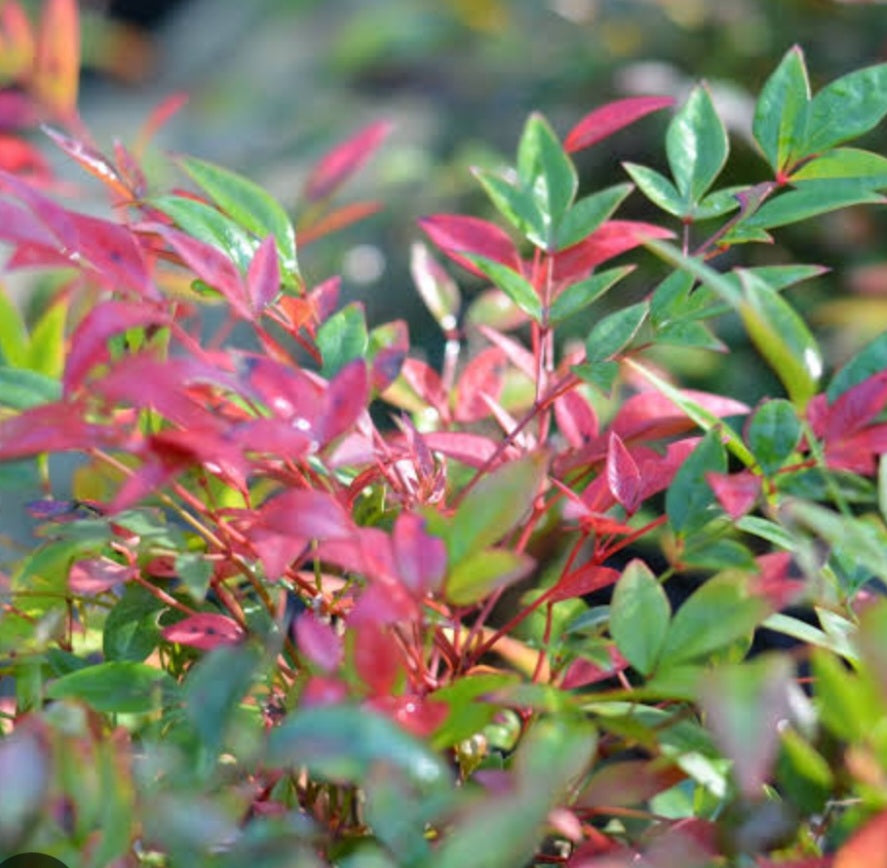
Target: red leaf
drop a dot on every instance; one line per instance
(867, 847)
(609, 118)
(130, 171)
(658, 471)
(416, 714)
(583, 672)
(337, 220)
(306, 513)
(57, 219)
(774, 583)
(57, 64)
(609, 240)
(286, 390)
(484, 374)
(575, 418)
(58, 427)
(455, 234)
(263, 275)
(345, 399)
(20, 227)
(323, 691)
(319, 642)
(344, 160)
(650, 415)
(273, 437)
(623, 476)
(205, 631)
(426, 383)
(376, 657)
(91, 160)
(89, 343)
(21, 158)
(856, 406)
(519, 356)
(421, 558)
(471, 449)
(208, 447)
(584, 580)
(736, 492)
(97, 575)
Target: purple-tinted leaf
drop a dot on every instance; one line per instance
(345, 160)
(205, 631)
(609, 118)
(581, 581)
(455, 234)
(263, 275)
(58, 427)
(421, 558)
(623, 476)
(426, 383)
(484, 374)
(576, 418)
(345, 399)
(855, 407)
(517, 354)
(306, 513)
(273, 437)
(97, 575)
(650, 415)
(319, 642)
(471, 449)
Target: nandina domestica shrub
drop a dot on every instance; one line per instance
(268, 628)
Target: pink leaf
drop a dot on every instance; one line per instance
(346, 398)
(471, 449)
(90, 159)
(335, 221)
(97, 575)
(426, 383)
(484, 374)
(520, 357)
(288, 392)
(159, 117)
(421, 558)
(319, 642)
(623, 476)
(418, 715)
(609, 118)
(583, 580)
(89, 343)
(774, 582)
(323, 691)
(205, 631)
(57, 427)
(376, 657)
(609, 240)
(23, 159)
(345, 160)
(575, 418)
(273, 437)
(856, 406)
(263, 275)
(650, 415)
(736, 492)
(306, 513)
(455, 234)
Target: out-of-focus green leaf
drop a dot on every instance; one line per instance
(579, 295)
(248, 204)
(690, 499)
(846, 163)
(713, 617)
(717, 554)
(119, 687)
(639, 616)
(588, 213)
(602, 375)
(343, 742)
(479, 574)
(545, 169)
(343, 338)
(495, 506)
(845, 109)
(614, 332)
(208, 224)
(782, 338)
(803, 773)
(657, 188)
(849, 704)
(46, 353)
(781, 110)
(131, 631)
(468, 712)
(21, 388)
(870, 360)
(13, 334)
(696, 145)
(514, 285)
(773, 434)
(195, 571)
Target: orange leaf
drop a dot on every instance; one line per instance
(867, 848)
(16, 41)
(57, 65)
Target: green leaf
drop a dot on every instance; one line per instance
(781, 110)
(469, 710)
(514, 285)
(477, 575)
(495, 506)
(601, 375)
(578, 296)
(207, 224)
(846, 163)
(670, 298)
(248, 204)
(544, 168)
(19, 475)
(343, 743)
(342, 338)
(802, 773)
(845, 109)
(195, 571)
(214, 687)
(713, 617)
(689, 334)
(809, 199)
(588, 214)
(118, 687)
(46, 353)
(639, 616)
(696, 145)
(848, 703)
(808, 634)
(717, 204)
(13, 334)
(870, 360)
(690, 499)
(705, 552)
(781, 337)
(614, 332)
(657, 188)
(517, 205)
(773, 434)
(131, 631)
(21, 388)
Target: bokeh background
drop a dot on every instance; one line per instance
(272, 84)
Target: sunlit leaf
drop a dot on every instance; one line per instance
(639, 616)
(115, 686)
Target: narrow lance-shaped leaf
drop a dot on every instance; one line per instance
(689, 498)
(57, 63)
(846, 163)
(437, 288)
(614, 332)
(608, 119)
(514, 285)
(456, 235)
(580, 295)
(518, 205)
(657, 188)
(588, 214)
(781, 110)
(263, 275)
